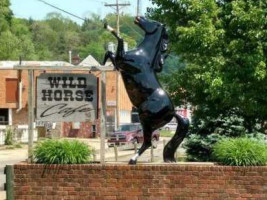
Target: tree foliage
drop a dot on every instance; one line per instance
(5, 15)
(224, 47)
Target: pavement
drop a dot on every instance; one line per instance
(10, 157)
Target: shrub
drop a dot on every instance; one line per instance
(62, 152)
(199, 148)
(229, 124)
(240, 152)
(9, 139)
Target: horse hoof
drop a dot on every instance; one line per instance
(132, 162)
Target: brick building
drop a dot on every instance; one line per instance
(14, 96)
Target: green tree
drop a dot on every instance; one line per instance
(224, 47)
(8, 46)
(5, 15)
(15, 36)
(20, 28)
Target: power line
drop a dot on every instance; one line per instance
(61, 10)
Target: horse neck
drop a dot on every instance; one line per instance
(150, 44)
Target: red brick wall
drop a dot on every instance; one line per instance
(85, 130)
(21, 117)
(140, 182)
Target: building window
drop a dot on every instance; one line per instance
(3, 116)
(135, 116)
(11, 90)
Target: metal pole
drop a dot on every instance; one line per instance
(9, 187)
(138, 8)
(103, 117)
(164, 143)
(152, 153)
(135, 147)
(117, 101)
(116, 153)
(70, 57)
(118, 17)
(30, 114)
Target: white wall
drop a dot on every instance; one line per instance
(21, 135)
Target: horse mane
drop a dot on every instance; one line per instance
(162, 52)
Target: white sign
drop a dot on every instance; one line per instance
(111, 103)
(66, 97)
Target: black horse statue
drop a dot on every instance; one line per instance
(138, 68)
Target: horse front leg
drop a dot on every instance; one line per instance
(120, 49)
(146, 144)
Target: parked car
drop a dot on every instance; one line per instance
(130, 134)
(172, 126)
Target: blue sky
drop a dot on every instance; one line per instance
(83, 8)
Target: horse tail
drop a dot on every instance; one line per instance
(177, 139)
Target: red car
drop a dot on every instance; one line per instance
(130, 134)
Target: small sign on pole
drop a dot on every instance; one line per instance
(66, 97)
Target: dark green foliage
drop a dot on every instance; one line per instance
(240, 152)
(62, 152)
(206, 131)
(199, 148)
(224, 47)
(230, 124)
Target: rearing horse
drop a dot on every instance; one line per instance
(138, 68)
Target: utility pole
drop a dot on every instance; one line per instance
(138, 8)
(117, 7)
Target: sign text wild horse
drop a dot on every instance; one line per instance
(138, 68)
(66, 97)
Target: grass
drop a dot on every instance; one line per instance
(164, 133)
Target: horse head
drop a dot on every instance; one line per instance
(153, 28)
(148, 26)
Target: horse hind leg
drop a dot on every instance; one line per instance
(177, 139)
(146, 144)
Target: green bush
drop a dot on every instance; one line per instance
(240, 152)
(199, 148)
(62, 152)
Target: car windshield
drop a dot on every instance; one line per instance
(128, 127)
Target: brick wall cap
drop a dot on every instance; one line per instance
(146, 167)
